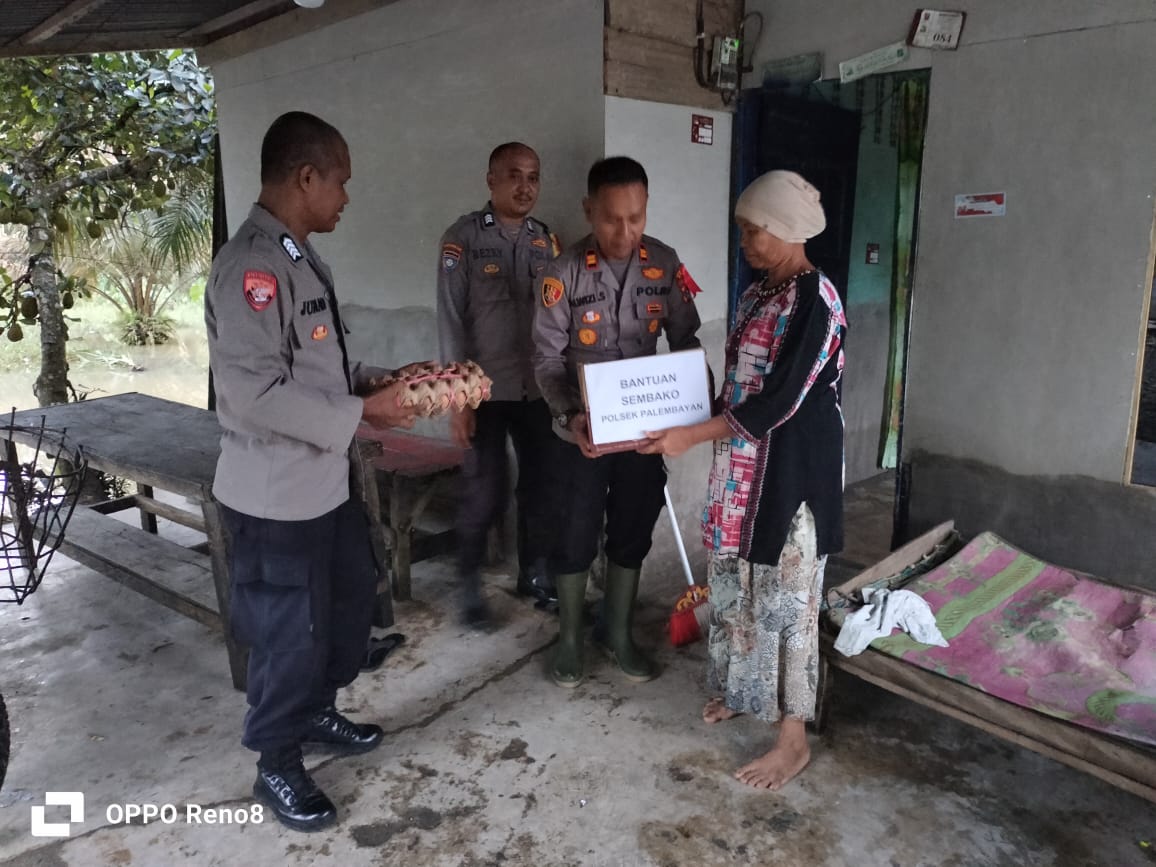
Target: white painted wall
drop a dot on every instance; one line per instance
(689, 186)
(422, 99)
(689, 209)
(1025, 329)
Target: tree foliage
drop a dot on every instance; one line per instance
(92, 144)
(141, 262)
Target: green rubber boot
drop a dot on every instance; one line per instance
(567, 670)
(618, 618)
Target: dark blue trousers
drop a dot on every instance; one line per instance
(484, 479)
(302, 600)
(622, 489)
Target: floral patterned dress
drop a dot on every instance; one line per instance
(763, 643)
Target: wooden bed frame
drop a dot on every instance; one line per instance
(1129, 766)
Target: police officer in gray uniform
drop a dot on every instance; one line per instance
(608, 297)
(301, 567)
(488, 266)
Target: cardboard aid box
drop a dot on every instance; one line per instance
(625, 399)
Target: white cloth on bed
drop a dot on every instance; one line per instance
(883, 611)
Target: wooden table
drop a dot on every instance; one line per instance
(160, 444)
(412, 467)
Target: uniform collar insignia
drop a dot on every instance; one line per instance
(290, 247)
(591, 260)
(642, 255)
(488, 219)
(530, 227)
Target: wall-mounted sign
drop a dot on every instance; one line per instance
(625, 399)
(939, 30)
(872, 62)
(702, 129)
(980, 205)
(800, 69)
(872, 254)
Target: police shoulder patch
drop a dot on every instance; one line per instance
(552, 291)
(451, 253)
(290, 247)
(260, 288)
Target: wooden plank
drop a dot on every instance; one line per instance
(640, 67)
(156, 442)
(895, 562)
(94, 43)
(365, 488)
(673, 20)
(155, 567)
(291, 24)
(1131, 767)
(148, 521)
(110, 507)
(48, 28)
(222, 25)
(1138, 376)
(173, 513)
(219, 573)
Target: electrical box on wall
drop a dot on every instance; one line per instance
(725, 63)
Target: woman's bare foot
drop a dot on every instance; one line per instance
(717, 711)
(783, 763)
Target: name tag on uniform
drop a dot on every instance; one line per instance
(625, 399)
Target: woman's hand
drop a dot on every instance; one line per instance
(676, 440)
(671, 442)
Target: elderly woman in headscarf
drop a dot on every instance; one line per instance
(775, 496)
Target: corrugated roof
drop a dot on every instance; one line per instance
(46, 27)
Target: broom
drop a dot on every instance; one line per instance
(690, 621)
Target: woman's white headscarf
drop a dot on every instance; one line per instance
(784, 204)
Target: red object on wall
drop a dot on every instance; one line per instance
(702, 129)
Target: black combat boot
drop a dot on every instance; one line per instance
(537, 583)
(475, 611)
(285, 788)
(339, 734)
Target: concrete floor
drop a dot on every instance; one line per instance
(486, 763)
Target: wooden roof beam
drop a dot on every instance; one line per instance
(229, 19)
(48, 28)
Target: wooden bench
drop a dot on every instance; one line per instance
(165, 446)
(177, 577)
(410, 468)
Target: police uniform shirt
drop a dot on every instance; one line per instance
(486, 298)
(585, 315)
(283, 384)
